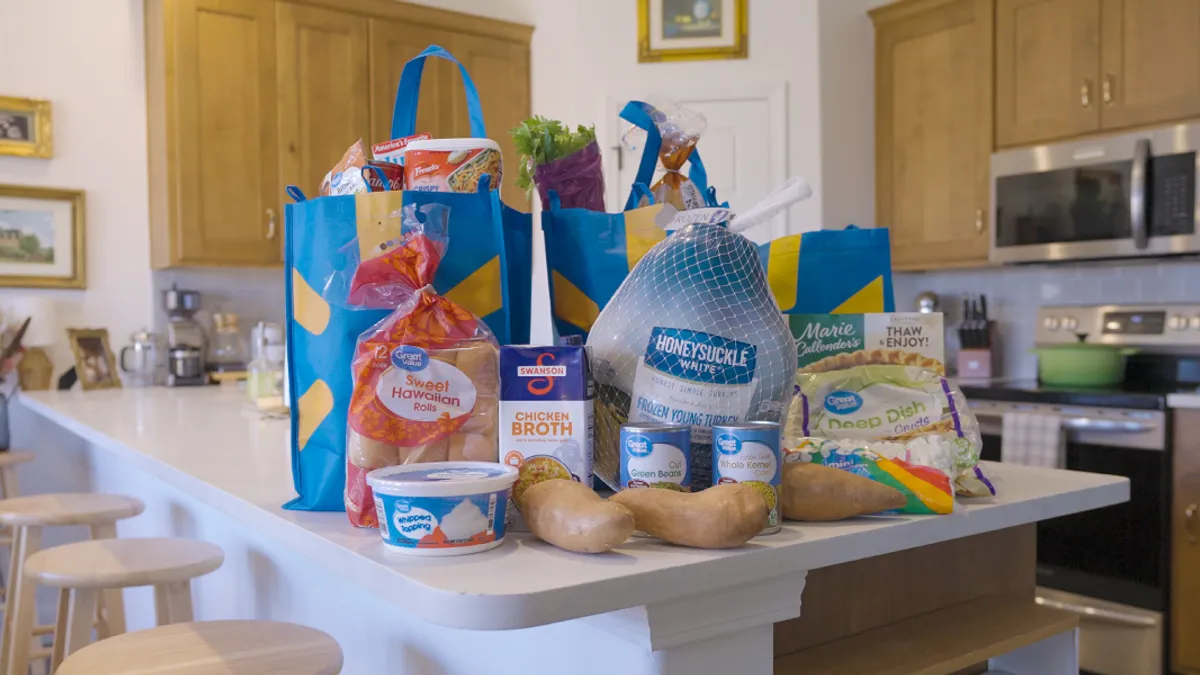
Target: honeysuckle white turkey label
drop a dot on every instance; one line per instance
(695, 378)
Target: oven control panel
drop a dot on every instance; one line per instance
(1166, 326)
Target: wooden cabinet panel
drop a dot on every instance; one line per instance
(1185, 543)
(1047, 69)
(500, 70)
(392, 44)
(324, 91)
(1151, 62)
(934, 132)
(228, 170)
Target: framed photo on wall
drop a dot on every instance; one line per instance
(25, 127)
(41, 237)
(692, 30)
(95, 364)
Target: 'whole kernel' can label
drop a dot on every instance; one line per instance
(656, 455)
(749, 452)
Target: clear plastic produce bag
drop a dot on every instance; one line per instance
(680, 129)
(693, 336)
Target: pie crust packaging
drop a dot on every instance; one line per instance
(426, 379)
(881, 377)
(693, 336)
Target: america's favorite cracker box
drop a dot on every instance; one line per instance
(546, 414)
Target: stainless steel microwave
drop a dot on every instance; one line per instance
(1122, 196)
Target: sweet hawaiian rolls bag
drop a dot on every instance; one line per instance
(425, 377)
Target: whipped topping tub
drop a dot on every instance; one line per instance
(442, 508)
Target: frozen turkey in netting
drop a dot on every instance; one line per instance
(693, 336)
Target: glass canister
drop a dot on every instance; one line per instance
(228, 351)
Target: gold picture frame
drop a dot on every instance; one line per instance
(95, 364)
(25, 127)
(45, 214)
(654, 47)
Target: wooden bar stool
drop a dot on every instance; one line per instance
(81, 571)
(8, 472)
(211, 648)
(27, 516)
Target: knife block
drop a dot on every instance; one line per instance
(975, 364)
(980, 363)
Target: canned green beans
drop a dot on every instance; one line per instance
(656, 455)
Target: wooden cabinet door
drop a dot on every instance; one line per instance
(500, 70)
(1151, 62)
(1185, 544)
(324, 91)
(227, 183)
(392, 44)
(934, 133)
(1047, 69)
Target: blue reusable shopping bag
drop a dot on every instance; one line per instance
(487, 270)
(798, 270)
(590, 253)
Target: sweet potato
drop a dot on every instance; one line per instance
(814, 492)
(723, 516)
(573, 517)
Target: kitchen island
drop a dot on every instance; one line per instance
(210, 468)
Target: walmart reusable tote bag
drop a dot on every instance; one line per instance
(590, 253)
(487, 269)
(798, 270)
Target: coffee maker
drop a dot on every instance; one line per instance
(186, 343)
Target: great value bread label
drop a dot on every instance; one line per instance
(419, 388)
(546, 413)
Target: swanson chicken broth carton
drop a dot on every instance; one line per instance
(546, 416)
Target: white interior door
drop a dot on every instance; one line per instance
(744, 147)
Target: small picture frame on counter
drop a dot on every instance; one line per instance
(95, 363)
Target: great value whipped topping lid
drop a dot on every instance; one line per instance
(442, 479)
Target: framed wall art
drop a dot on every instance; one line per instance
(25, 127)
(41, 237)
(692, 30)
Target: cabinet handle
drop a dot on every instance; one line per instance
(1189, 520)
(979, 221)
(1085, 93)
(270, 223)
(1106, 91)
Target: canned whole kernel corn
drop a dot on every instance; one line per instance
(656, 455)
(749, 452)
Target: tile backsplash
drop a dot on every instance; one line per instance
(1015, 294)
(254, 294)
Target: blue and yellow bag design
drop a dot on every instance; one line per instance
(831, 271)
(487, 270)
(590, 253)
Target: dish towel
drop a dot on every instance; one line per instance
(1033, 439)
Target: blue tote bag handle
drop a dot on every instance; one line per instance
(404, 113)
(637, 114)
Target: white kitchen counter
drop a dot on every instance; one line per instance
(205, 452)
(1183, 400)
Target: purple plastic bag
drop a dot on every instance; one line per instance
(577, 178)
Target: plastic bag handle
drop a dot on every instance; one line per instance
(637, 113)
(404, 113)
(795, 190)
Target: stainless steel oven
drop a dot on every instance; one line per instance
(1109, 566)
(1118, 196)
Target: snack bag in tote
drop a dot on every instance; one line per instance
(693, 337)
(426, 378)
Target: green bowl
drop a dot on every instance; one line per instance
(1082, 364)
